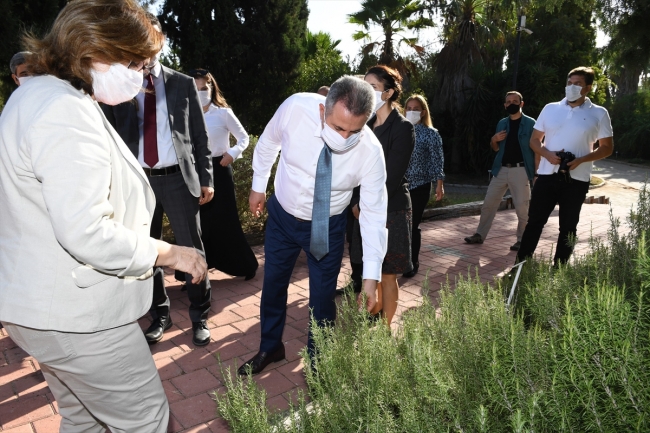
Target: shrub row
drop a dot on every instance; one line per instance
(570, 354)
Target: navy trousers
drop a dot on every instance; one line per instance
(285, 237)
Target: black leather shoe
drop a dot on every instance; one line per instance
(250, 276)
(413, 273)
(201, 333)
(154, 332)
(259, 362)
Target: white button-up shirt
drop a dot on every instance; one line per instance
(574, 129)
(295, 129)
(221, 122)
(166, 152)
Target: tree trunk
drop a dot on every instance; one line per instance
(628, 81)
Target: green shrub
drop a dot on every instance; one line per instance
(243, 178)
(570, 355)
(631, 123)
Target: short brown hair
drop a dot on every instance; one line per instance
(514, 92)
(585, 72)
(109, 31)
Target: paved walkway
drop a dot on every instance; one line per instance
(191, 374)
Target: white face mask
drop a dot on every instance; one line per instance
(204, 96)
(336, 142)
(413, 116)
(573, 92)
(23, 80)
(378, 101)
(117, 84)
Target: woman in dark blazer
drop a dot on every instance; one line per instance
(397, 138)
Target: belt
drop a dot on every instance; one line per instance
(161, 171)
(519, 164)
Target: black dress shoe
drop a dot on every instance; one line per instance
(413, 273)
(154, 332)
(250, 276)
(201, 333)
(259, 362)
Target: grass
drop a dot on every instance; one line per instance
(570, 354)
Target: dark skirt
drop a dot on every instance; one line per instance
(225, 245)
(398, 253)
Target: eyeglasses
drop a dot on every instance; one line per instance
(198, 72)
(137, 66)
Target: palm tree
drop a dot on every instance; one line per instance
(627, 55)
(475, 40)
(394, 17)
(315, 42)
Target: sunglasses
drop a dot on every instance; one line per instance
(198, 72)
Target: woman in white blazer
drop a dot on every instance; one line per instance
(75, 252)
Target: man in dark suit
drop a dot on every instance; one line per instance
(165, 129)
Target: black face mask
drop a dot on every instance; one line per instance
(513, 108)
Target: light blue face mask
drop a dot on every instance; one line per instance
(573, 92)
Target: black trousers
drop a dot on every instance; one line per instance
(182, 208)
(419, 199)
(548, 191)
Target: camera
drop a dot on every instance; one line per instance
(565, 157)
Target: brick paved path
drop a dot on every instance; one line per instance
(191, 374)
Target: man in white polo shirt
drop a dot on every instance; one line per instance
(572, 125)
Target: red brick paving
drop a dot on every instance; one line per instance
(191, 374)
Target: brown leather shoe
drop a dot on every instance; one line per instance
(259, 362)
(474, 239)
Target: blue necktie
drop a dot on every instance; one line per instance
(320, 213)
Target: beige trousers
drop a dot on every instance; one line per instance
(516, 180)
(100, 380)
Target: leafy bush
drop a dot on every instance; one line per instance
(631, 123)
(570, 355)
(243, 178)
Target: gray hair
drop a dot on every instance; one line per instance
(357, 96)
(17, 60)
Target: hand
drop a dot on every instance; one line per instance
(370, 290)
(226, 160)
(440, 192)
(183, 259)
(499, 136)
(551, 156)
(207, 192)
(356, 211)
(573, 164)
(256, 201)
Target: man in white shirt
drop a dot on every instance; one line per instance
(165, 129)
(572, 125)
(304, 128)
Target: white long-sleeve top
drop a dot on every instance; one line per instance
(295, 129)
(221, 122)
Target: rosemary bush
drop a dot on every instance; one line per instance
(571, 355)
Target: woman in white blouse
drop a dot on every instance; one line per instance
(226, 247)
